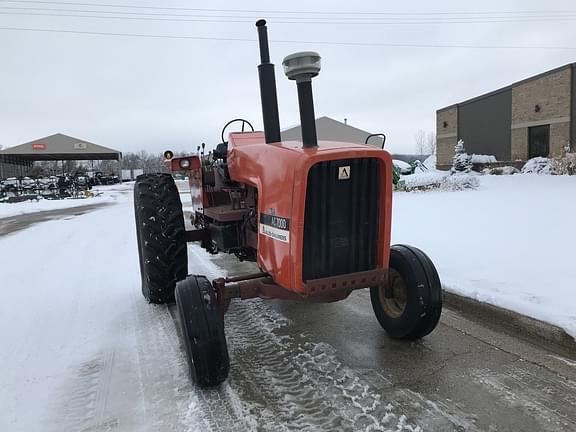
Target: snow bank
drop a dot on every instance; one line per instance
(438, 179)
(538, 165)
(423, 179)
(505, 170)
(430, 162)
(510, 243)
(482, 159)
(460, 182)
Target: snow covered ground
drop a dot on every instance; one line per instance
(511, 243)
(102, 194)
(81, 350)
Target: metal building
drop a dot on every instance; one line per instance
(329, 129)
(532, 117)
(16, 161)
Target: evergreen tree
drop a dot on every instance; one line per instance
(462, 162)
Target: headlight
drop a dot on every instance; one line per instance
(184, 163)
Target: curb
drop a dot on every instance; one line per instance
(517, 324)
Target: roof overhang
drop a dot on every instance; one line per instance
(58, 147)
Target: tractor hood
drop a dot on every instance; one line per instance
(279, 171)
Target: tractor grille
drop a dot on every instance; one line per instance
(341, 218)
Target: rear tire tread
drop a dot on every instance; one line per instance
(161, 236)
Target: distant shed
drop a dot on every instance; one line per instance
(18, 160)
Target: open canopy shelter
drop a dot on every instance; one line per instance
(17, 160)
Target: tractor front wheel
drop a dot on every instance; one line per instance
(409, 307)
(203, 331)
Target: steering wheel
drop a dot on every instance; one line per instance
(244, 122)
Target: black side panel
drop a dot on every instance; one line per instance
(484, 125)
(341, 218)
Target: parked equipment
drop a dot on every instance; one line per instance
(315, 217)
(17, 189)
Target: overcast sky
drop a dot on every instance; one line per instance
(133, 93)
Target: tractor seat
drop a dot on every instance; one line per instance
(221, 151)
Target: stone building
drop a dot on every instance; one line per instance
(533, 117)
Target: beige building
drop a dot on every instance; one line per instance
(533, 117)
(328, 129)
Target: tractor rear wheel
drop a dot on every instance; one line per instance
(409, 307)
(202, 329)
(161, 236)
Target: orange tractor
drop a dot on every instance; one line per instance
(314, 216)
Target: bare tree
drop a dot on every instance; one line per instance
(149, 163)
(107, 166)
(425, 142)
(430, 145)
(420, 141)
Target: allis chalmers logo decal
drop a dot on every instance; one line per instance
(344, 173)
(275, 227)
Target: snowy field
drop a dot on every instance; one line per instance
(510, 243)
(102, 194)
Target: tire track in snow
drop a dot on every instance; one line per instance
(84, 407)
(103, 393)
(165, 389)
(288, 382)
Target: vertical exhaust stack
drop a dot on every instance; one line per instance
(267, 88)
(302, 67)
